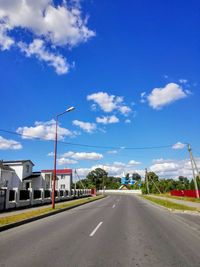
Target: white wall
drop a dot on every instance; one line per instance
(24, 169)
(10, 179)
(67, 181)
(37, 183)
(44, 181)
(138, 192)
(21, 169)
(18, 170)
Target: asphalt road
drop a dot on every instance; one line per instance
(116, 231)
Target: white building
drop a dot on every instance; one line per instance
(7, 176)
(63, 179)
(19, 174)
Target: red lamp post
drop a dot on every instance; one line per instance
(55, 156)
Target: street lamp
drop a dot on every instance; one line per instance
(55, 155)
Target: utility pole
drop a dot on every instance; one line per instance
(74, 182)
(194, 166)
(79, 179)
(156, 186)
(103, 186)
(147, 182)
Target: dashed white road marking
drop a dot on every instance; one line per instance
(95, 229)
(113, 206)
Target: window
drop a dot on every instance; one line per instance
(62, 186)
(27, 168)
(62, 176)
(48, 181)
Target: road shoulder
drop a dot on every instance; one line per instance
(10, 221)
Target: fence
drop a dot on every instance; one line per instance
(110, 191)
(16, 198)
(184, 193)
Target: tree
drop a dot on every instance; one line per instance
(152, 177)
(136, 176)
(112, 182)
(97, 177)
(153, 180)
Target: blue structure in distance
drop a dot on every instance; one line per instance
(126, 181)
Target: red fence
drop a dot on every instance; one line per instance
(93, 191)
(184, 193)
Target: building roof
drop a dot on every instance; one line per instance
(5, 167)
(10, 162)
(32, 176)
(63, 171)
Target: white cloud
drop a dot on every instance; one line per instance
(183, 81)
(118, 164)
(107, 119)
(50, 154)
(115, 169)
(106, 102)
(173, 168)
(85, 126)
(125, 110)
(73, 157)
(44, 130)
(161, 160)
(38, 49)
(109, 103)
(112, 152)
(83, 172)
(143, 97)
(178, 145)
(160, 97)
(65, 161)
(127, 121)
(134, 162)
(5, 41)
(58, 25)
(6, 144)
(83, 155)
(164, 168)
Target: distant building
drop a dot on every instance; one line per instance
(63, 179)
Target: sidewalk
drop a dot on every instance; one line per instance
(40, 207)
(183, 202)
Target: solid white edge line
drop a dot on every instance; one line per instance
(97, 227)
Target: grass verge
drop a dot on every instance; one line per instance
(40, 211)
(170, 205)
(192, 199)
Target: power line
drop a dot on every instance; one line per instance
(86, 145)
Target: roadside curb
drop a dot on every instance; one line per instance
(15, 224)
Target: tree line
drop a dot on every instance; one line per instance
(98, 178)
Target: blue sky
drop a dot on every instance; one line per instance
(130, 70)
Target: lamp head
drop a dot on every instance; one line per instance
(70, 109)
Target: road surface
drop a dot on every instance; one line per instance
(116, 231)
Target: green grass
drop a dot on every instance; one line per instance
(30, 214)
(170, 205)
(192, 199)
